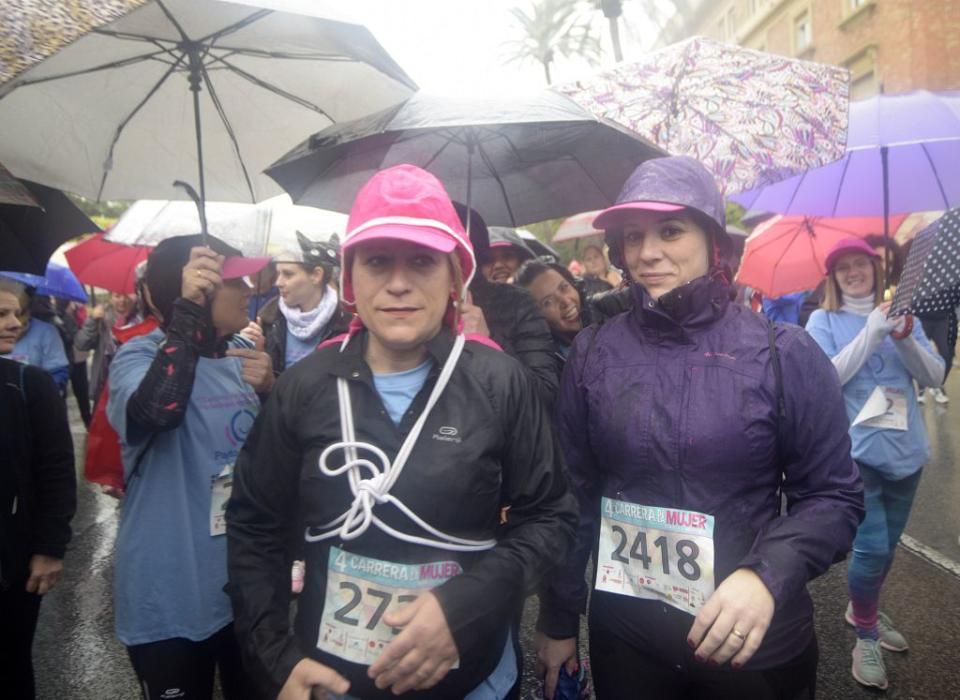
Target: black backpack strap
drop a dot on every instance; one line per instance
(781, 405)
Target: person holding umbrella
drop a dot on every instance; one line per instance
(96, 334)
(423, 465)
(682, 422)
(877, 359)
(182, 399)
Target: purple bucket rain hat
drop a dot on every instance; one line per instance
(670, 183)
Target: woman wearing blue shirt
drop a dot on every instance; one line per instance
(878, 360)
(182, 399)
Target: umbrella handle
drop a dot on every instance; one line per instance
(907, 329)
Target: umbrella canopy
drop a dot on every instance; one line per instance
(516, 161)
(112, 266)
(539, 248)
(57, 281)
(787, 253)
(930, 283)
(30, 234)
(751, 118)
(12, 191)
(577, 226)
(263, 229)
(902, 155)
(121, 111)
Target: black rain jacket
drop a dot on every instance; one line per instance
(502, 454)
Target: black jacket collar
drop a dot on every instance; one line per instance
(350, 363)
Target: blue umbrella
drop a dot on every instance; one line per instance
(58, 281)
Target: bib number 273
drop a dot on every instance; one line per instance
(382, 600)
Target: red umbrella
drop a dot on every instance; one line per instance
(786, 253)
(107, 265)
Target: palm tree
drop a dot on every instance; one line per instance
(613, 10)
(554, 27)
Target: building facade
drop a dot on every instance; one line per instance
(890, 46)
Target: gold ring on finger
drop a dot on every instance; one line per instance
(738, 634)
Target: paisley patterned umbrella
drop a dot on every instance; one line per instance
(751, 117)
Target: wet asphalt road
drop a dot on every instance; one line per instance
(77, 657)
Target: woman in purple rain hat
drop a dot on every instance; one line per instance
(684, 421)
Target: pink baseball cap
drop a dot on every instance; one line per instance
(847, 246)
(405, 203)
(236, 266)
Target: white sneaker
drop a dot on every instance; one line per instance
(868, 667)
(940, 396)
(921, 396)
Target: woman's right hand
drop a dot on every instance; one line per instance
(201, 275)
(310, 679)
(551, 655)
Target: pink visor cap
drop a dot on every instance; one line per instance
(234, 267)
(613, 216)
(847, 246)
(405, 203)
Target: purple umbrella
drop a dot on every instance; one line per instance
(902, 155)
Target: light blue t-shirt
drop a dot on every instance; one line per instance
(170, 571)
(297, 349)
(398, 389)
(41, 346)
(895, 453)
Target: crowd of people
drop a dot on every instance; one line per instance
(344, 469)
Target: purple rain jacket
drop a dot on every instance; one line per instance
(673, 403)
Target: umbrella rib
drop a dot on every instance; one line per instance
(426, 166)
(230, 132)
(587, 173)
(94, 69)
(943, 194)
(496, 176)
(123, 124)
(260, 82)
(236, 26)
(173, 20)
(843, 176)
(796, 191)
(285, 55)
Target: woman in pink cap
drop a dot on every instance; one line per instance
(419, 468)
(877, 359)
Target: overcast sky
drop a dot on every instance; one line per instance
(457, 46)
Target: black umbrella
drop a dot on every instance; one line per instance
(516, 161)
(29, 234)
(930, 283)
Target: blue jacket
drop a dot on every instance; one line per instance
(674, 404)
(897, 454)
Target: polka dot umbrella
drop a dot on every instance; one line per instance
(930, 284)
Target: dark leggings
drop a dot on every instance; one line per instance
(623, 673)
(81, 389)
(183, 669)
(18, 622)
(938, 331)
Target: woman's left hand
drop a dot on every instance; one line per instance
(733, 621)
(422, 654)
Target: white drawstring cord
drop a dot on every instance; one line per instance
(375, 489)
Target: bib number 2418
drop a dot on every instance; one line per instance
(685, 558)
(655, 553)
